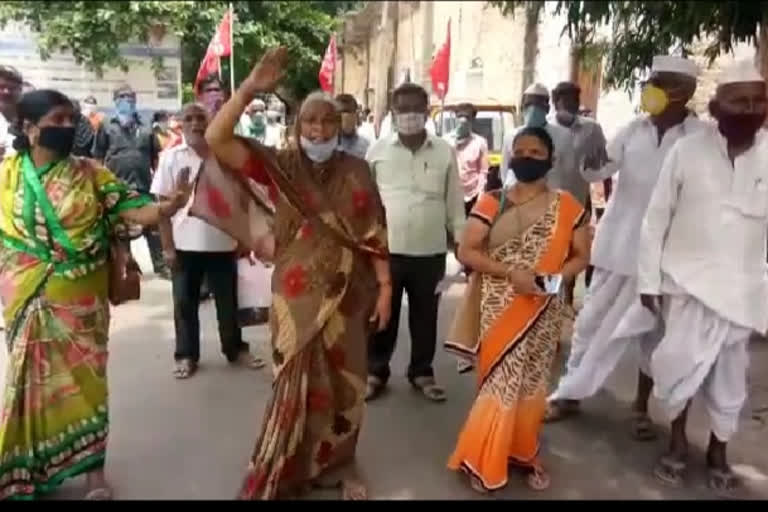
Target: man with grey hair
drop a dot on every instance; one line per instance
(129, 148)
(195, 250)
(701, 265)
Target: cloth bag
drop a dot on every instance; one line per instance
(254, 289)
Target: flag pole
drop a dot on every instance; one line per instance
(232, 48)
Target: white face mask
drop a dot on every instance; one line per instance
(88, 109)
(318, 152)
(410, 123)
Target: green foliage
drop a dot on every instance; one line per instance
(93, 31)
(644, 29)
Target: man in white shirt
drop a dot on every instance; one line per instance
(10, 92)
(564, 174)
(418, 178)
(612, 318)
(702, 262)
(194, 250)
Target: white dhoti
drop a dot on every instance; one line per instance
(701, 350)
(611, 320)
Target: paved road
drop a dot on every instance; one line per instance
(192, 439)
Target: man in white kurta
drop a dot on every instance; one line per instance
(702, 257)
(612, 318)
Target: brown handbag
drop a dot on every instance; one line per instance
(124, 273)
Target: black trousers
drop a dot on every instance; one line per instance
(418, 277)
(220, 269)
(152, 236)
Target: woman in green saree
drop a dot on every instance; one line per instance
(55, 218)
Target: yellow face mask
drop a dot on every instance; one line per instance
(653, 100)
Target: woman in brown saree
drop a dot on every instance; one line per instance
(331, 288)
(507, 325)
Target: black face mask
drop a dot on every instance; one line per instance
(58, 139)
(529, 169)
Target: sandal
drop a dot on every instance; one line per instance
(642, 427)
(429, 388)
(538, 479)
(353, 490)
(477, 485)
(375, 387)
(99, 494)
(722, 481)
(248, 360)
(670, 471)
(185, 368)
(558, 410)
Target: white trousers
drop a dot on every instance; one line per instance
(612, 320)
(701, 351)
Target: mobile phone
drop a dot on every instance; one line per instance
(550, 284)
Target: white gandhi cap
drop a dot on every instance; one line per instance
(537, 90)
(740, 72)
(670, 64)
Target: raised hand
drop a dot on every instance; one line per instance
(266, 74)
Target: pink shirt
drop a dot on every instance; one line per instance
(473, 165)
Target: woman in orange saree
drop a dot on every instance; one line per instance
(330, 289)
(508, 325)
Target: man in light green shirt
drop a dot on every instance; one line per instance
(418, 179)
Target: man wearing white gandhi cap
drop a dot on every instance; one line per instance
(535, 106)
(613, 318)
(702, 264)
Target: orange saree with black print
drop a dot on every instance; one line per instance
(518, 336)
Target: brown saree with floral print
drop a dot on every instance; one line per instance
(324, 291)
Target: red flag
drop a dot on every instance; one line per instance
(218, 47)
(328, 66)
(441, 67)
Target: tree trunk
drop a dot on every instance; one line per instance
(531, 42)
(575, 64)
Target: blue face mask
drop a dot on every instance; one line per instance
(125, 107)
(535, 116)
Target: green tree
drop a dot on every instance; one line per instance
(94, 30)
(644, 29)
